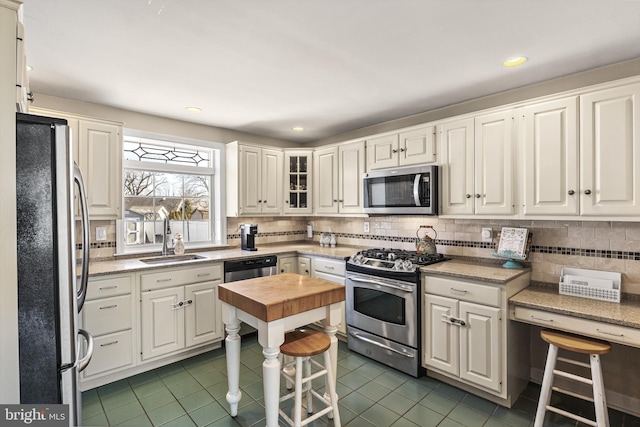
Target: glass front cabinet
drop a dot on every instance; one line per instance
(297, 181)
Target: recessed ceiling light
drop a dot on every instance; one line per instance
(298, 129)
(514, 62)
(193, 109)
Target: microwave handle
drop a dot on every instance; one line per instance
(416, 189)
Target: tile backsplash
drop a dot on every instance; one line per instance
(601, 245)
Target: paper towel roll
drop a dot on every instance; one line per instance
(310, 231)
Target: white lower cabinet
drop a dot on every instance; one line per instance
(468, 339)
(108, 315)
(179, 309)
(333, 271)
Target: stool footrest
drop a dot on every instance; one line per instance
(572, 416)
(573, 394)
(574, 362)
(572, 376)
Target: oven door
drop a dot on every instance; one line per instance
(385, 307)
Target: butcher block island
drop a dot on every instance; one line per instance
(274, 305)
(274, 297)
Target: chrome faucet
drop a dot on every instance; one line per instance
(166, 230)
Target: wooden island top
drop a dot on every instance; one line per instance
(275, 297)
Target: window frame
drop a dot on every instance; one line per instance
(217, 190)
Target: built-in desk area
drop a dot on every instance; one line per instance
(618, 323)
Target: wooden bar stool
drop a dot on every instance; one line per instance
(302, 344)
(594, 348)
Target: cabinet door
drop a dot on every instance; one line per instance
(325, 177)
(297, 182)
(382, 152)
(493, 164)
(441, 339)
(100, 155)
(250, 180)
(271, 181)
(480, 357)
(456, 171)
(288, 264)
(203, 316)
(609, 151)
(550, 137)
(351, 168)
(417, 146)
(304, 266)
(162, 322)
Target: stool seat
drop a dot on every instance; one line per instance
(305, 343)
(575, 343)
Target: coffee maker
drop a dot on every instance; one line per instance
(248, 236)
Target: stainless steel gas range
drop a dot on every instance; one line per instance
(383, 306)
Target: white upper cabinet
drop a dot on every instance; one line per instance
(456, 170)
(338, 179)
(548, 132)
(477, 165)
(610, 152)
(100, 160)
(254, 180)
(494, 163)
(297, 182)
(409, 147)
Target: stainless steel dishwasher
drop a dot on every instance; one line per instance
(249, 268)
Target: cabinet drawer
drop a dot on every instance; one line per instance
(329, 266)
(107, 315)
(171, 277)
(110, 352)
(464, 291)
(592, 328)
(108, 286)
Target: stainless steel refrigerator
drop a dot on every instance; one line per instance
(50, 295)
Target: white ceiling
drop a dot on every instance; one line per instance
(331, 66)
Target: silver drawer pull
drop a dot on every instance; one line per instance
(108, 287)
(541, 319)
(600, 331)
(328, 267)
(108, 306)
(108, 343)
(460, 291)
(163, 280)
(204, 274)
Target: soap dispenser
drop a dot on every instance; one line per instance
(178, 248)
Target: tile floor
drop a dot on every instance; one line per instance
(192, 393)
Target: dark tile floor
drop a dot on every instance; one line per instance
(192, 393)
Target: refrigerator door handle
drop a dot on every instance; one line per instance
(84, 213)
(82, 363)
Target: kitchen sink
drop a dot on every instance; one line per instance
(170, 259)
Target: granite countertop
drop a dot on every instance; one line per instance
(128, 264)
(547, 298)
(487, 272)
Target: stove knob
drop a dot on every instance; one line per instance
(408, 265)
(391, 256)
(398, 265)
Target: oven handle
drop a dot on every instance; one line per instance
(404, 288)
(376, 343)
(416, 189)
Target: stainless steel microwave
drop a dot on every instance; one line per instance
(411, 190)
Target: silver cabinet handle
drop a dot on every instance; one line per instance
(587, 192)
(541, 319)
(109, 343)
(328, 267)
(453, 320)
(460, 291)
(204, 274)
(468, 196)
(477, 196)
(571, 192)
(108, 306)
(163, 280)
(600, 331)
(108, 287)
